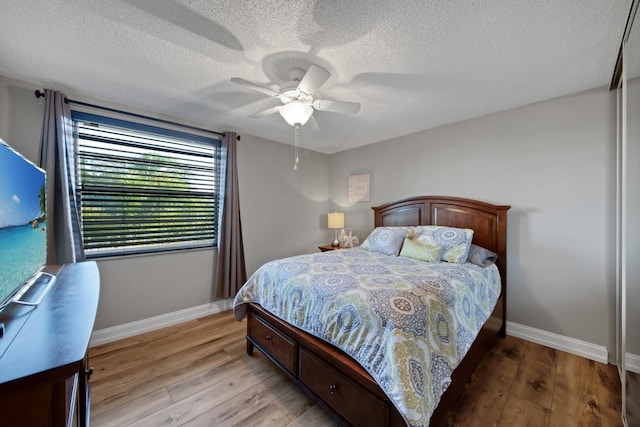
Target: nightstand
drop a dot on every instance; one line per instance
(327, 248)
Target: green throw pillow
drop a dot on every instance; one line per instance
(416, 250)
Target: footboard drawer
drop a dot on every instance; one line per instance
(352, 401)
(275, 343)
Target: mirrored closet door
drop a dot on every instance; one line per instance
(632, 359)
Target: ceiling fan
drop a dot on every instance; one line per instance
(297, 96)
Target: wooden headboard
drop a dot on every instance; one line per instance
(488, 222)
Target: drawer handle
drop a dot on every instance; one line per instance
(333, 388)
(268, 337)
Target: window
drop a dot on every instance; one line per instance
(144, 189)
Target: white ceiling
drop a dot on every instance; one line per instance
(412, 64)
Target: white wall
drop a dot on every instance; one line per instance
(281, 216)
(283, 211)
(21, 117)
(554, 163)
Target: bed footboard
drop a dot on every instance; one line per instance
(332, 378)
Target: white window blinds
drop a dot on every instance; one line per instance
(145, 189)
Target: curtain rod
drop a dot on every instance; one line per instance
(40, 94)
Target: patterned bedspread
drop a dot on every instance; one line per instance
(407, 322)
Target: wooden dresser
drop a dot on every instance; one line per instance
(43, 355)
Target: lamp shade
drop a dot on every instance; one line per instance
(296, 113)
(335, 220)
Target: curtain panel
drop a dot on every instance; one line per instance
(231, 271)
(57, 158)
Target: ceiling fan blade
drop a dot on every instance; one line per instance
(336, 106)
(266, 112)
(313, 79)
(255, 86)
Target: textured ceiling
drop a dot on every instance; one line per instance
(412, 64)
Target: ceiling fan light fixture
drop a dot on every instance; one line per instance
(296, 113)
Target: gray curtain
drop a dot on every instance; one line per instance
(231, 271)
(57, 158)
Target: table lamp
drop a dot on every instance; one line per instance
(335, 220)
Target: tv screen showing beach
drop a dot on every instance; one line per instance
(23, 243)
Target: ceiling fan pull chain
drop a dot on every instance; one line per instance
(296, 143)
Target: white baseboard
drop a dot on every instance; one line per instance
(114, 333)
(632, 363)
(570, 345)
(559, 342)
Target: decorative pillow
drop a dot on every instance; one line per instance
(481, 256)
(416, 250)
(385, 240)
(456, 241)
(410, 230)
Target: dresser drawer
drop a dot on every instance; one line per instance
(272, 341)
(352, 401)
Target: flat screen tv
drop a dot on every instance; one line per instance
(23, 235)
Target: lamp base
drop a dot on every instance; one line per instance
(335, 242)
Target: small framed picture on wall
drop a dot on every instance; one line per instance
(359, 188)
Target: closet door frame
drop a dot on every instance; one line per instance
(620, 84)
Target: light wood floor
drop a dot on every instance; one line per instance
(633, 399)
(198, 374)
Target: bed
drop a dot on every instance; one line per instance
(329, 373)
